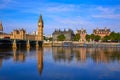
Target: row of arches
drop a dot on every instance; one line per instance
(7, 43)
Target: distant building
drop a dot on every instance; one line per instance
(82, 34)
(102, 32)
(34, 33)
(68, 34)
(48, 37)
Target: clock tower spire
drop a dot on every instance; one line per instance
(40, 29)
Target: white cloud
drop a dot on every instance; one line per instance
(60, 8)
(109, 16)
(106, 10)
(69, 23)
(4, 3)
(48, 8)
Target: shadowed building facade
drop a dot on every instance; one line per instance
(102, 32)
(68, 34)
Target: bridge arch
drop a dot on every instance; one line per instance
(5, 43)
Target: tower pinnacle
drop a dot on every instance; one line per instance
(1, 27)
(40, 19)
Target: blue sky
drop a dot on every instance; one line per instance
(60, 14)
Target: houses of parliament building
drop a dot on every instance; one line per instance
(21, 33)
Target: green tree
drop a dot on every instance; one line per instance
(112, 36)
(61, 37)
(45, 38)
(119, 37)
(88, 37)
(105, 38)
(92, 36)
(97, 38)
(50, 39)
(77, 37)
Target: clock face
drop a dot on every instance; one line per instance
(39, 23)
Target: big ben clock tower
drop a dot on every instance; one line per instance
(40, 29)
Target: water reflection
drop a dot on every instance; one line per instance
(0, 62)
(4, 56)
(98, 55)
(39, 52)
(105, 55)
(28, 50)
(18, 56)
(56, 63)
(80, 54)
(21, 55)
(62, 54)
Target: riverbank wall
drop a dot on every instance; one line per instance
(79, 44)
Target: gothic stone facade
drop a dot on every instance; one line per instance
(18, 34)
(21, 33)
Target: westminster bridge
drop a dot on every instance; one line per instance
(17, 43)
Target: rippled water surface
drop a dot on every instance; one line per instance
(60, 63)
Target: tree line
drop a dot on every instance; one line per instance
(113, 37)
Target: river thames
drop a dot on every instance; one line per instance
(60, 63)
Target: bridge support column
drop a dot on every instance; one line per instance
(28, 44)
(14, 46)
